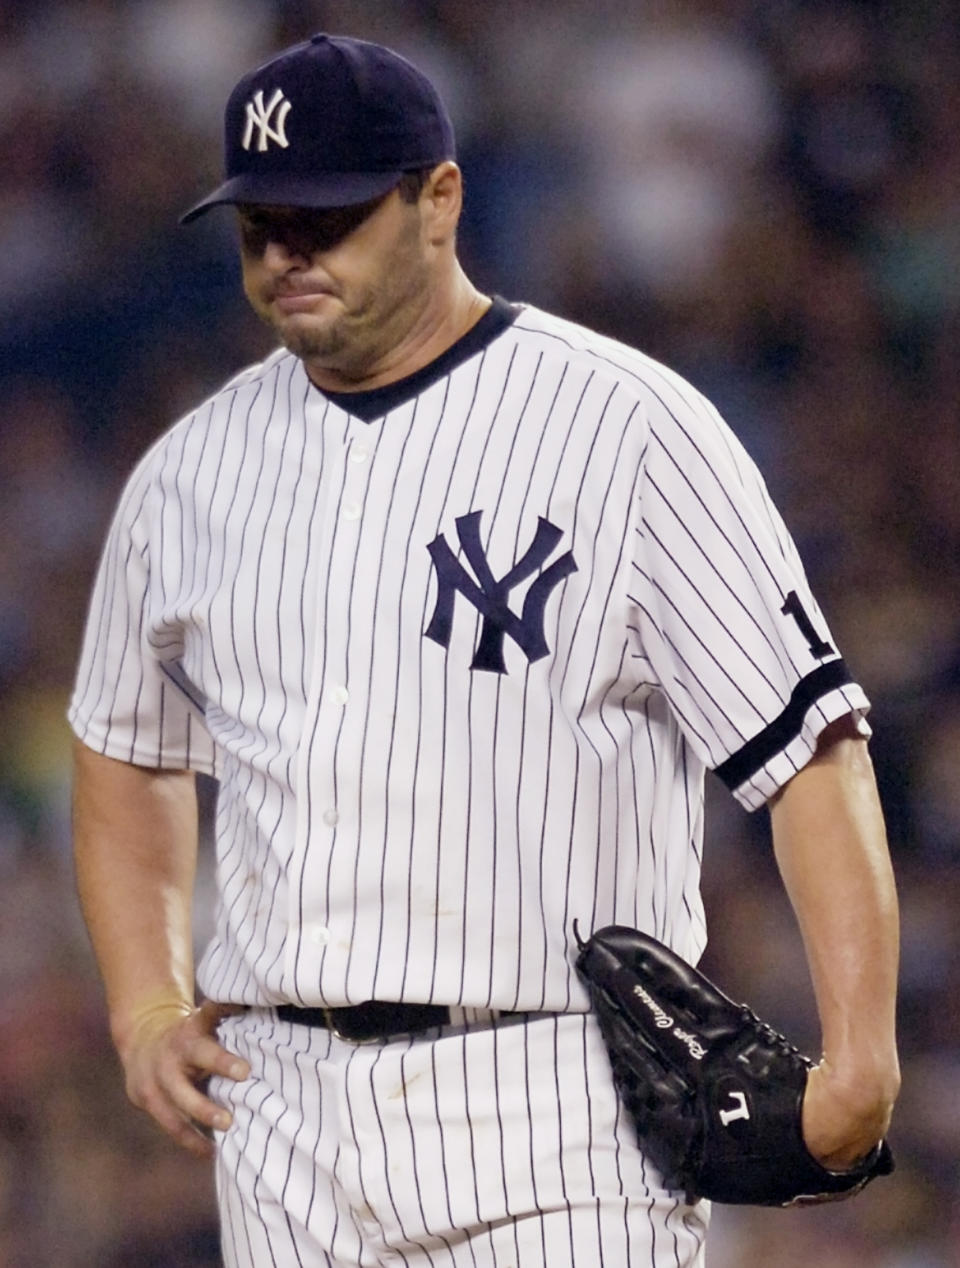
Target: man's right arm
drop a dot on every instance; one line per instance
(135, 844)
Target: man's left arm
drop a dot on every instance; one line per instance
(831, 848)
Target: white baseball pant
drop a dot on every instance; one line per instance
(494, 1143)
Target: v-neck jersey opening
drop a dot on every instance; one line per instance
(373, 404)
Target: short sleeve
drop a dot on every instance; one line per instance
(130, 699)
(724, 616)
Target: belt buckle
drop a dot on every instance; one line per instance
(380, 1022)
(329, 1015)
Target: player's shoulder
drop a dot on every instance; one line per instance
(258, 371)
(180, 446)
(247, 384)
(671, 408)
(224, 403)
(633, 370)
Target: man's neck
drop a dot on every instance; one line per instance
(443, 321)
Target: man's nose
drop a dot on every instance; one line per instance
(283, 252)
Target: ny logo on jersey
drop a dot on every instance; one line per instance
(491, 596)
(259, 118)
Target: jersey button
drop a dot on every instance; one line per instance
(351, 510)
(359, 453)
(341, 695)
(331, 818)
(319, 935)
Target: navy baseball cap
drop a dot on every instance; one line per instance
(331, 122)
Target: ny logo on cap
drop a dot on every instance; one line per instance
(259, 116)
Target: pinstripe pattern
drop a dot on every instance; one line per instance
(394, 824)
(389, 819)
(519, 1119)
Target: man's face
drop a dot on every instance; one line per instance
(337, 285)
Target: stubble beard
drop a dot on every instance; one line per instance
(320, 345)
(353, 341)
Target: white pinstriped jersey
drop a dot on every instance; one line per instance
(459, 658)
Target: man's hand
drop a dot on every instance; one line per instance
(716, 1093)
(168, 1052)
(135, 844)
(842, 1120)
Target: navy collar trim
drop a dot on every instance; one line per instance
(378, 401)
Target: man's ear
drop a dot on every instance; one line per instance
(442, 199)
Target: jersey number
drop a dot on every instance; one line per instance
(793, 607)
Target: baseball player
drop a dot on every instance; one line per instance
(457, 601)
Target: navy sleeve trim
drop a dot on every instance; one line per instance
(773, 739)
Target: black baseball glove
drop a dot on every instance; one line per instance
(716, 1094)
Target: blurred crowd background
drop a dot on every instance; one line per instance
(763, 193)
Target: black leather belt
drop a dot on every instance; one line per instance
(375, 1020)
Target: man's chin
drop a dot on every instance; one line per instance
(310, 341)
